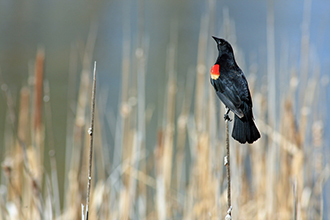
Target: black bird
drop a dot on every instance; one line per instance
(232, 88)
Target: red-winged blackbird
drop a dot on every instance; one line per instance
(232, 88)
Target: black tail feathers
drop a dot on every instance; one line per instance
(245, 130)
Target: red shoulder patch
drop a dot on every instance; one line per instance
(215, 71)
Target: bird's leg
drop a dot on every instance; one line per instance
(226, 116)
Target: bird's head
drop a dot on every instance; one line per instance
(222, 45)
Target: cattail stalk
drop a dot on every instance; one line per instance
(90, 132)
(227, 164)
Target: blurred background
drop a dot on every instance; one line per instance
(159, 130)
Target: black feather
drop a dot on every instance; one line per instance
(244, 129)
(232, 89)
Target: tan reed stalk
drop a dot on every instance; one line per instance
(23, 137)
(295, 199)
(10, 101)
(304, 52)
(138, 123)
(212, 114)
(73, 189)
(164, 150)
(102, 164)
(13, 195)
(288, 130)
(33, 156)
(160, 186)
(19, 185)
(76, 183)
(125, 108)
(23, 118)
(4, 214)
(49, 205)
(271, 83)
(202, 181)
(142, 56)
(32, 190)
(258, 162)
(307, 107)
(303, 102)
(91, 134)
(284, 177)
(107, 119)
(169, 126)
(37, 117)
(201, 184)
(49, 130)
(227, 164)
(82, 97)
(126, 119)
(182, 126)
(201, 70)
(72, 104)
(99, 153)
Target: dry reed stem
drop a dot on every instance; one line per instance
(72, 105)
(108, 116)
(271, 80)
(49, 126)
(142, 56)
(168, 137)
(201, 70)
(76, 178)
(125, 108)
(23, 119)
(140, 176)
(165, 174)
(278, 138)
(294, 186)
(23, 136)
(39, 68)
(99, 153)
(30, 192)
(160, 186)
(182, 128)
(227, 164)
(304, 52)
(37, 117)
(74, 184)
(126, 121)
(15, 185)
(91, 135)
(202, 181)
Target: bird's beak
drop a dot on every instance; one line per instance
(216, 39)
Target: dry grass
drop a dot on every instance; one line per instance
(279, 177)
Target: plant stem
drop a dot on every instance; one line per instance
(90, 132)
(227, 164)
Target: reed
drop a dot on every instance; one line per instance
(91, 144)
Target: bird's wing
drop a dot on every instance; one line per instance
(228, 94)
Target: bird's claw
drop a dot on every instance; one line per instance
(226, 117)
